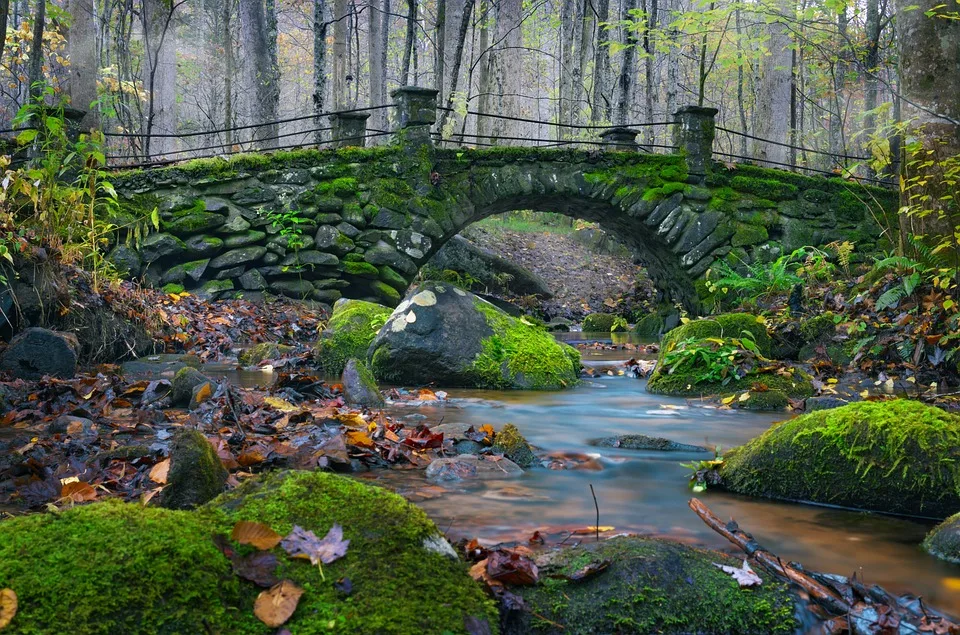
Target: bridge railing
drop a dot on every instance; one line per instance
(413, 121)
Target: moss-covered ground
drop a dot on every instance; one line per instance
(651, 586)
(896, 456)
(112, 568)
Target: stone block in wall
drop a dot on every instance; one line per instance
(193, 270)
(161, 245)
(125, 260)
(360, 269)
(383, 254)
(327, 295)
(194, 223)
(271, 258)
(289, 176)
(292, 288)
(413, 244)
(241, 256)
(203, 245)
(244, 238)
(213, 289)
(216, 205)
(389, 219)
(347, 230)
(253, 195)
(310, 257)
(329, 238)
(252, 280)
(232, 272)
(235, 224)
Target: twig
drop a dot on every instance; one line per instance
(597, 526)
(236, 417)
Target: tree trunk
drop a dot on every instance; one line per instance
(649, 59)
(439, 53)
(586, 53)
(82, 51)
(340, 68)
(160, 52)
(409, 42)
(628, 70)
(228, 72)
(602, 105)
(258, 72)
(567, 31)
(870, 81)
(378, 73)
(508, 70)
(4, 16)
(837, 109)
(319, 66)
(35, 70)
(930, 86)
(457, 61)
(484, 124)
(776, 81)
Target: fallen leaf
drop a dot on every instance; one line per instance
(8, 607)
(159, 472)
(205, 392)
(280, 404)
(275, 606)
(744, 576)
(78, 492)
(301, 543)
(357, 437)
(586, 572)
(259, 567)
(512, 568)
(587, 531)
(257, 534)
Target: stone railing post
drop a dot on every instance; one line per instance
(620, 138)
(693, 134)
(349, 128)
(416, 113)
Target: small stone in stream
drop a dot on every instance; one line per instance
(183, 384)
(36, 352)
(812, 404)
(200, 393)
(196, 474)
(643, 442)
(450, 430)
(466, 446)
(944, 540)
(511, 444)
(73, 426)
(472, 467)
(359, 386)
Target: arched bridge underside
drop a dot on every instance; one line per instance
(360, 223)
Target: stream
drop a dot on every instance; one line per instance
(644, 491)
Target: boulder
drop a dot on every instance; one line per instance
(602, 323)
(196, 474)
(643, 442)
(443, 335)
(492, 271)
(944, 540)
(186, 379)
(162, 572)
(470, 467)
(35, 352)
(511, 444)
(359, 386)
(898, 457)
(242, 239)
(350, 330)
(125, 260)
(650, 585)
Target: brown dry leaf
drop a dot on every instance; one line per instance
(159, 472)
(250, 457)
(744, 576)
(205, 392)
(78, 492)
(362, 439)
(257, 534)
(301, 543)
(8, 607)
(275, 605)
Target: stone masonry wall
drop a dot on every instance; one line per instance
(360, 222)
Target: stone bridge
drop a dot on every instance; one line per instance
(360, 222)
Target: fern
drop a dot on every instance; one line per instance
(891, 297)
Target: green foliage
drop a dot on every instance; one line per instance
(756, 281)
(713, 360)
(290, 224)
(603, 323)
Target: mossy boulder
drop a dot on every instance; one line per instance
(650, 586)
(601, 323)
(265, 350)
(122, 568)
(727, 325)
(511, 444)
(898, 456)
(196, 474)
(186, 379)
(351, 329)
(944, 540)
(447, 336)
(359, 385)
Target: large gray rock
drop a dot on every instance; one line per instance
(125, 260)
(36, 352)
(441, 334)
(643, 442)
(459, 254)
(196, 474)
(359, 386)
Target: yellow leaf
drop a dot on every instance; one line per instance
(280, 404)
(832, 380)
(8, 607)
(951, 583)
(744, 397)
(356, 437)
(257, 534)
(159, 472)
(205, 392)
(728, 400)
(864, 393)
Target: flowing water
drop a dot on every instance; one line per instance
(647, 492)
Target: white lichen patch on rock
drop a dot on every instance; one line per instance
(424, 298)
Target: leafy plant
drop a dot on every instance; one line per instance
(713, 359)
(290, 224)
(756, 281)
(704, 472)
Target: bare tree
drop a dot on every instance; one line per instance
(259, 73)
(628, 70)
(82, 51)
(776, 88)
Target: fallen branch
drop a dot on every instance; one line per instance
(862, 616)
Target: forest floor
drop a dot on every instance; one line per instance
(584, 278)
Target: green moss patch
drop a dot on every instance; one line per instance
(894, 456)
(520, 355)
(944, 540)
(725, 325)
(651, 586)
(349, 333)
(602, 323)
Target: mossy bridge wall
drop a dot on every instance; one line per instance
(360, 222)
